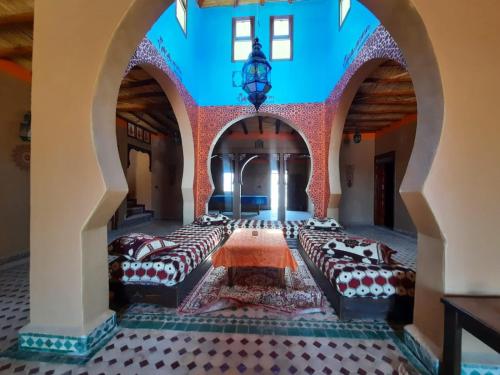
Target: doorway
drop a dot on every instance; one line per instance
(384, 189)
(266, 173)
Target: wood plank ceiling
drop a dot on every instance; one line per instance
(235, 3)
(142, 101)
(16, 31)
(385, 97)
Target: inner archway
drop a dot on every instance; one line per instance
(260, 168)
(147, 127)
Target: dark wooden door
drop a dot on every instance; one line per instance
(296, 192)
(384, 190)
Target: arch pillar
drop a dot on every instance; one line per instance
(76, 182)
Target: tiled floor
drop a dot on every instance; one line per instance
(157, 340)
(251, 340)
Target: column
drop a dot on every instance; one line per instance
(282, 188)
(236, 187)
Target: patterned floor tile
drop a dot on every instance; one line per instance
(238, 341)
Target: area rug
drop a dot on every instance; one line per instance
(256, 287)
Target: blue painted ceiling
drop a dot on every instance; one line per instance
(322, 50)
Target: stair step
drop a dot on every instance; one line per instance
(138, 218)
(135, 210)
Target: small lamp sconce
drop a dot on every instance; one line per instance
(357, 136)
(349, 172)
(25, 128)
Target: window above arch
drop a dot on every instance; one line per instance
(344, 7)
(181, 14)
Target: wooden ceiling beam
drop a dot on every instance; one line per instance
(13, 52)
(127, 119)
(401, 94)
(170, 123)
(385, 101)
(17, 19)
(200, 3)
(278, 126)
(140, 107)
(261, 128)
(141, 83)
(244, 127)
(141, 95)
(389, 80)
(359, 110)
(148, 123)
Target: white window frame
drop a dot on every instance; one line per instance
(282, 37)
(184, 5)
(236, 39)
(344, 9)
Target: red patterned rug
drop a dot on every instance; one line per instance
(257, 287)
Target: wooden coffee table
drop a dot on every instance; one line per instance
(266, 248)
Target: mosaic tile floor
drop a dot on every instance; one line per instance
(156, 340)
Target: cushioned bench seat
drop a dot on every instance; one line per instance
(290, 228)
(357, 289)
(169, 269)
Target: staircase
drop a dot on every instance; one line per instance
(136, 213)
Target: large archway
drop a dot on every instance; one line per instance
(382, 45)
(278, 147)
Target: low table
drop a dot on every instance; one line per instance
(478, 315)
(266, 248)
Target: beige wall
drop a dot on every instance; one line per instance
(167, 170)
(139, 178)
(14, 182)
(356, 203)
(400, 141)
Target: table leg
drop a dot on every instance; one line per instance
(452, 346)
(230, 276)
(281, 278)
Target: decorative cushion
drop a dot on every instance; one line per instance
(140, 246)
(358, 249)
(323, 224)
(215, 219)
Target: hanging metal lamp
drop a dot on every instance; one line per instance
(256, 76)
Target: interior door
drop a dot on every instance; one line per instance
(384, 190)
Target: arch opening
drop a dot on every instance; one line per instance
(260, 168)
(377, 142)
(147, 124)
(410, 36)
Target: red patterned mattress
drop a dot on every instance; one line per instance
(195, 244)
(356, 279)
(290, 228)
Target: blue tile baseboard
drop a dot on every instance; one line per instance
(424, 355)
(70, 345)
(431, 362)
(476, 369)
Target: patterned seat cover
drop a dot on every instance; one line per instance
(196, 243)
(356, 279)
